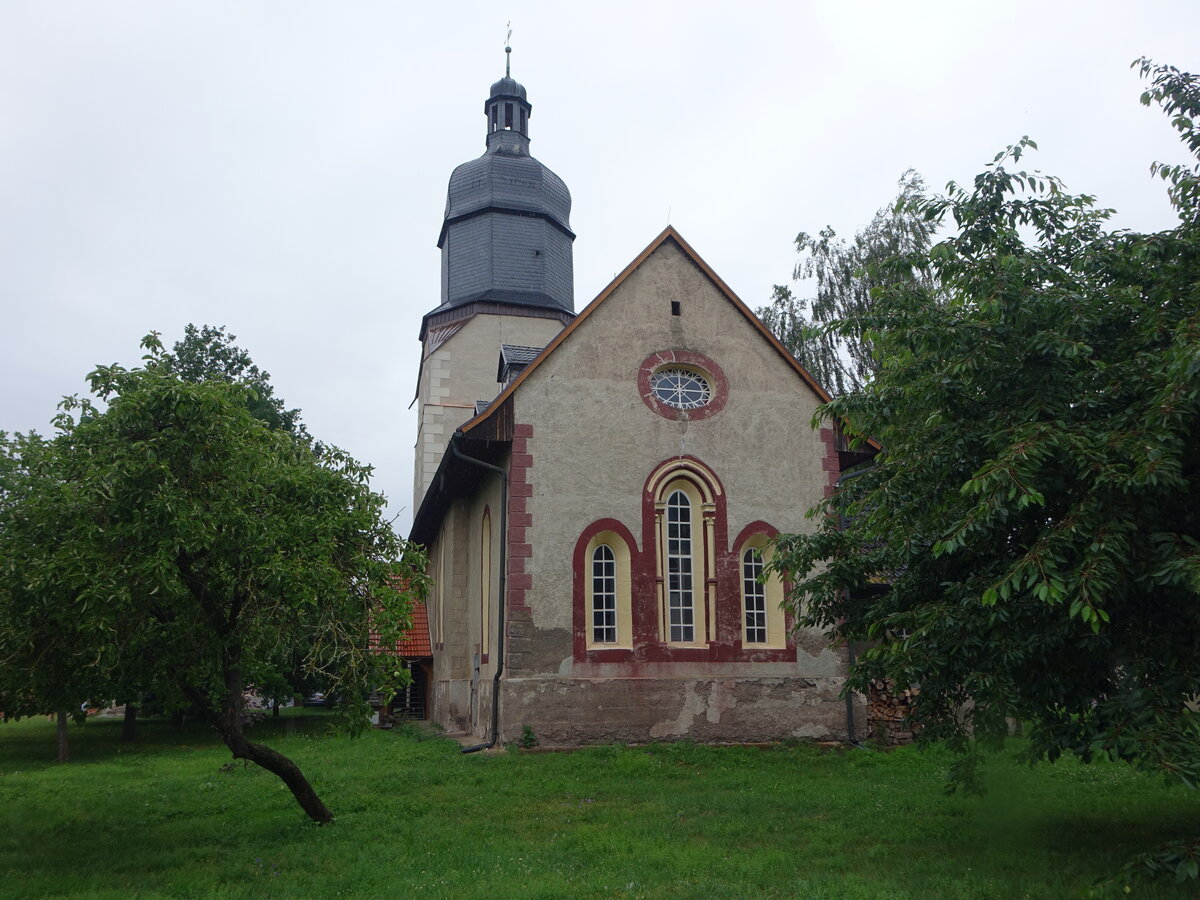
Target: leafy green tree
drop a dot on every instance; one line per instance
(190, 547)
(822, 331)
(209, 353)
(1026, 545)
(43, 651)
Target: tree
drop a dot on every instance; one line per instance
(190, 547)
(43, 654)
(1026, 545)
(210, 354)
(821, 332)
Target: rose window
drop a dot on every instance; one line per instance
(681, 388)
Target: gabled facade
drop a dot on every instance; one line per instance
(598, 526)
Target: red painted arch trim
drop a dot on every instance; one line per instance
(579, 591)
(754, 529)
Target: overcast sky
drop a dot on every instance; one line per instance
(280, 167)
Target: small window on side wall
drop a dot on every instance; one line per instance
(754, 593)
(485, 583)
(609, 615)
(604, 595)
(763, 625)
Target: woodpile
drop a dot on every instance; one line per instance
(888, 712)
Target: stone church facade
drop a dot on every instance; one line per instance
(597, 491)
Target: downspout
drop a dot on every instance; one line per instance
(850, 738)
(458, 454)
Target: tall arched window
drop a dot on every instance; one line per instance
(681, 598)
(604, 595)
(485, 584)
(439, 590)
(683, 511)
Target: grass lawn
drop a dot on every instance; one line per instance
(160, 818)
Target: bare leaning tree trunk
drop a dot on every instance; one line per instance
(229, 724)
(64, 750)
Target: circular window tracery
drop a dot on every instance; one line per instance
(681, 388)
(682, 385)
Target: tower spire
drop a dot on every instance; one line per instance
(508, 52)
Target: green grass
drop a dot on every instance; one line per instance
(159, 818)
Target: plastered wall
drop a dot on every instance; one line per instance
(588, 444)
(456, 375)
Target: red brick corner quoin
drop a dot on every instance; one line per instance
(829, 463)
(520, 489)
(656, 361)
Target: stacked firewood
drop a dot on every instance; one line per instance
(888, 711)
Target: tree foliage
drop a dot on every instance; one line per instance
(822, 331)
(44, 655)
(1026, 545)
(209, 353)
(180, 542)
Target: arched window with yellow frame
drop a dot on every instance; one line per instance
(609, 618)
(763, 625)
(485, 584)
(683, 513)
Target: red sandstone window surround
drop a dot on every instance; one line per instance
(699, 401)
(675, 566)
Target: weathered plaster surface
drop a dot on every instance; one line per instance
(573, 711)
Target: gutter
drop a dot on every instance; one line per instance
(850, 738)
(500, 650)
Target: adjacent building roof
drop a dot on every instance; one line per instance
(415, 643)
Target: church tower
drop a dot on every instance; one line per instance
(507, 276)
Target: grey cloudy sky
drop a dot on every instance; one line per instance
(280, 166)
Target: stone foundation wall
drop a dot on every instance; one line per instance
(569, 712)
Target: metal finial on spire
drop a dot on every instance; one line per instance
(508, 51)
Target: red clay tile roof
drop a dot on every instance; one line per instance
(415, 642)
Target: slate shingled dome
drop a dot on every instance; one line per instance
(507, 237)
(499, 180)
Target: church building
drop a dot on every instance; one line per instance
(597, 490)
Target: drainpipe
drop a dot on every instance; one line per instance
(850, 738)
(491, 742)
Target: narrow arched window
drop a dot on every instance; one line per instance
(602, 609)
(754, 594)
(485, 584)
(680, 596)
(764, 626)
(604, 595)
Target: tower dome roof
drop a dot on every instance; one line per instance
(508, 87)
(509, 181)
(506, 237)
